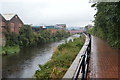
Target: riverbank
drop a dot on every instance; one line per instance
(30, 38)
(61, 60)
(10, 49)
(27, 60)
(15, 49)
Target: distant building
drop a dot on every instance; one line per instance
(75, 31)
(50, 27)
(11, 22)
(60, 26)
(37, 28)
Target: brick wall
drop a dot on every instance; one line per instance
(15, 24)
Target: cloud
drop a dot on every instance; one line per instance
(71, 12)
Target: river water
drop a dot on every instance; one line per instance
(25, 63)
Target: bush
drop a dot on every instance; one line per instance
(60, 61)
(28, 38)
(107, 21)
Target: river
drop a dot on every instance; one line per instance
(25, 63)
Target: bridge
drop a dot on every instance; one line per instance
(96, 60)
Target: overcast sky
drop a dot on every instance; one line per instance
(71, 12)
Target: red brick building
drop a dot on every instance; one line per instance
(75, 31)
(2, 22)
(11, 22)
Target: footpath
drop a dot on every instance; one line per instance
(104, 61)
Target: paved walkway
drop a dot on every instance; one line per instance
(104, 60)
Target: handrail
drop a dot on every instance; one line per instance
(84, 62)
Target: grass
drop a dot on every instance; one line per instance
(61, 60)
(10, 49)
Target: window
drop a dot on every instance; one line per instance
(12, 27)
(20, 25)
(3, 23)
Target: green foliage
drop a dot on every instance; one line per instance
(27, 37)
(48, 36)
(10, 49)
(107, 21)
(11, 38)
(44, 36)
(61, 60)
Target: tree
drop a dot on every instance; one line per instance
(107, 21)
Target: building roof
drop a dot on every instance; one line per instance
(49, 27)
(61, 24)
(8, 16)
(73, 28)
(36, 26)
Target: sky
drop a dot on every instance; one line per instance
(74, 13)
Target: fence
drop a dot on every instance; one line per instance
(79, 67)
(84, 62)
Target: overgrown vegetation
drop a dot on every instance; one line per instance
(61, 60)
(107, 22)
(10, 49)
(29, 38)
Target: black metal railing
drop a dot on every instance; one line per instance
(82, 68)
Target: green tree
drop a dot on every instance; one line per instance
(11, 39)
(107, 21)
(27, 36)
